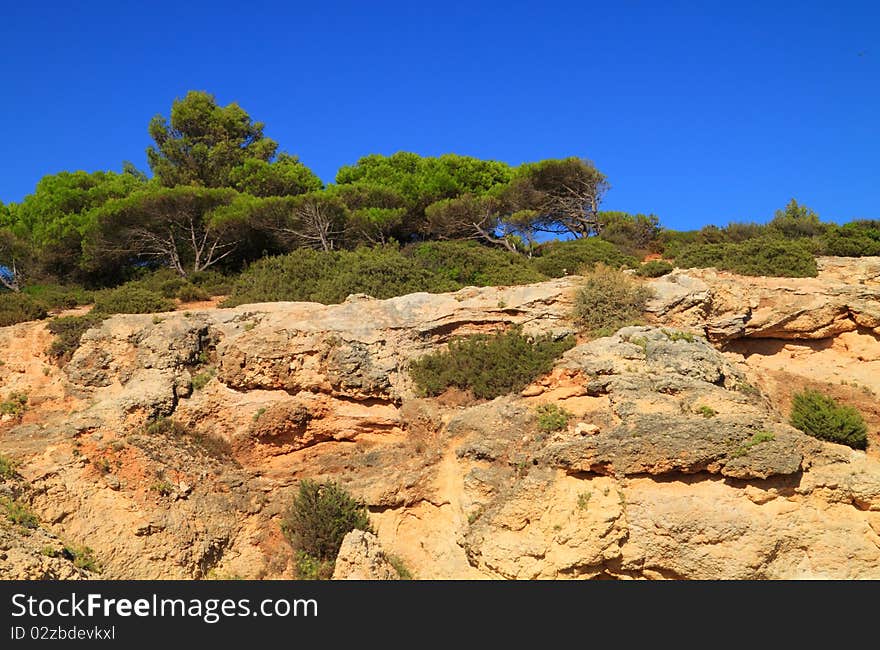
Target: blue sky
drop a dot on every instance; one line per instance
(701, 112)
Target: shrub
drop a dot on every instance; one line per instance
(129, 299)
(654, 269)
(488, 365)
(56, 296)
(707, 411)
(68, 331)
(211, 446)
(213, 283)
(467, 263)
(552, 417)
(756, 439)
(19, 308)
(382, 272)
(766, 256)
(82, 557)
(15, 404)
(18, 513)
(201, 380)
(7, 467)
(561, 258)
(822, 417)
(192, 293)
(608, 300)
(321, 515)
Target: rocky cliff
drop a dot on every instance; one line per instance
(171, 443)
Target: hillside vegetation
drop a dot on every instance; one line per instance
(225, 212)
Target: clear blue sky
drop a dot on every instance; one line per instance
(701, 112)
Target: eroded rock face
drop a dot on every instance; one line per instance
(845, 296)
(674, 464)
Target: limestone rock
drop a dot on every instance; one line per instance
(361, 558)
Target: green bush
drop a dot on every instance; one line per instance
(552, 417)
(608, 300)
(766, 256)
(329, 277)
(467, 263)
(7, 467)
(822, 417)
(654, 269)
(19, 308)
(82, 557)
(320, 516)
(68, 331)
(129, 299)
(56, 296)
(488, 365)
(213, 283)
(18, 513)
(15, 404)
(192, 293)
(560, 258)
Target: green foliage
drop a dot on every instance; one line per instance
(584, 500)
(766, 256)
(859, 238)
(15, 404)
(308, 567)
(191, 293)
(7, 467)
(560, 258)
(203, 143)
(201, 380)
(607, 300)
(678, 335)
(163, 487)
(54, 218)
(83, 557)
(471, 264)
(196, 441)
(707, 411)
(403, 573)
(320, 516)
(654, 269)
(552, 417)
(631, 232)
(19, 308)
(18, 513)
(756, 439)
(822, 417)
(286, 176)
(382, 272)
(56, 296)
(796, 221)
(187, 229)
(68, 331)
(561, 196)
(488, 365)
(129, 299)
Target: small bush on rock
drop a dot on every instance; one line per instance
(129, 299)
(321, 515)
(488, 365)
(19, 308)
(822, 417)
(68, 331)
(654, 269)
(608, 300)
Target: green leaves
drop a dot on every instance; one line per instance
(820, 416)
(203, 143)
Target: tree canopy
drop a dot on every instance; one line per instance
(202, 143)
